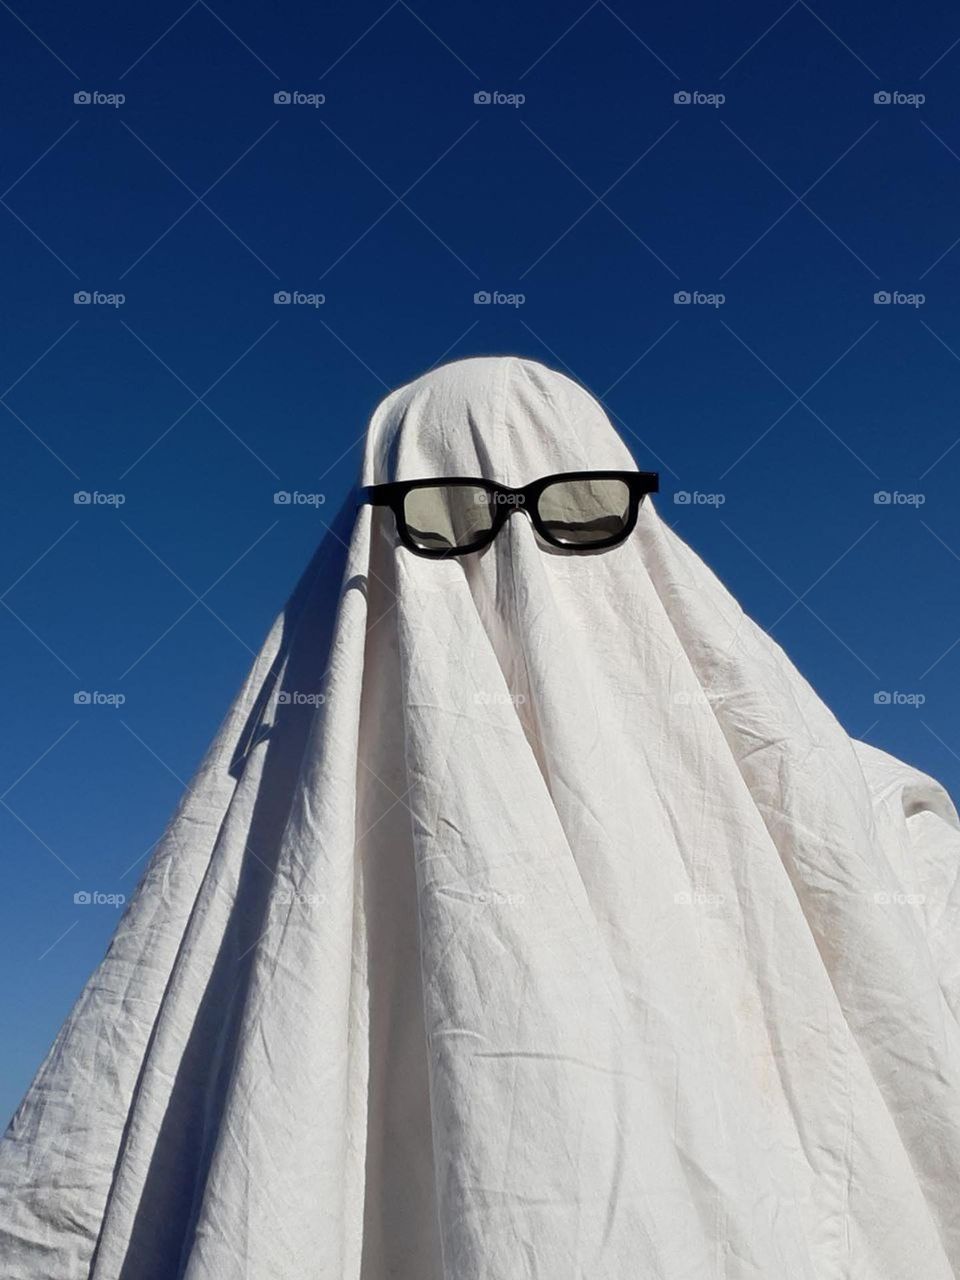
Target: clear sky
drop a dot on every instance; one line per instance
(781, 197)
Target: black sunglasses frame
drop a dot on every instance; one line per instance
(506, 501)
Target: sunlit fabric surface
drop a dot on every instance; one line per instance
(530, 918)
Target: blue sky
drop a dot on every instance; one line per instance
(782, 198)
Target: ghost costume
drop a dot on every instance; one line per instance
(529, 918)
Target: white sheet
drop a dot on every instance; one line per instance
(530, 918)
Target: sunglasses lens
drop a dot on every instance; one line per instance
(581, 513)
(447, 517)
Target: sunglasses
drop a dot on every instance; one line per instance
(577, 510)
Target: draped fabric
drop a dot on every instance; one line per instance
(530, 918)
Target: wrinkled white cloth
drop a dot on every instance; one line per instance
(530, 918)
